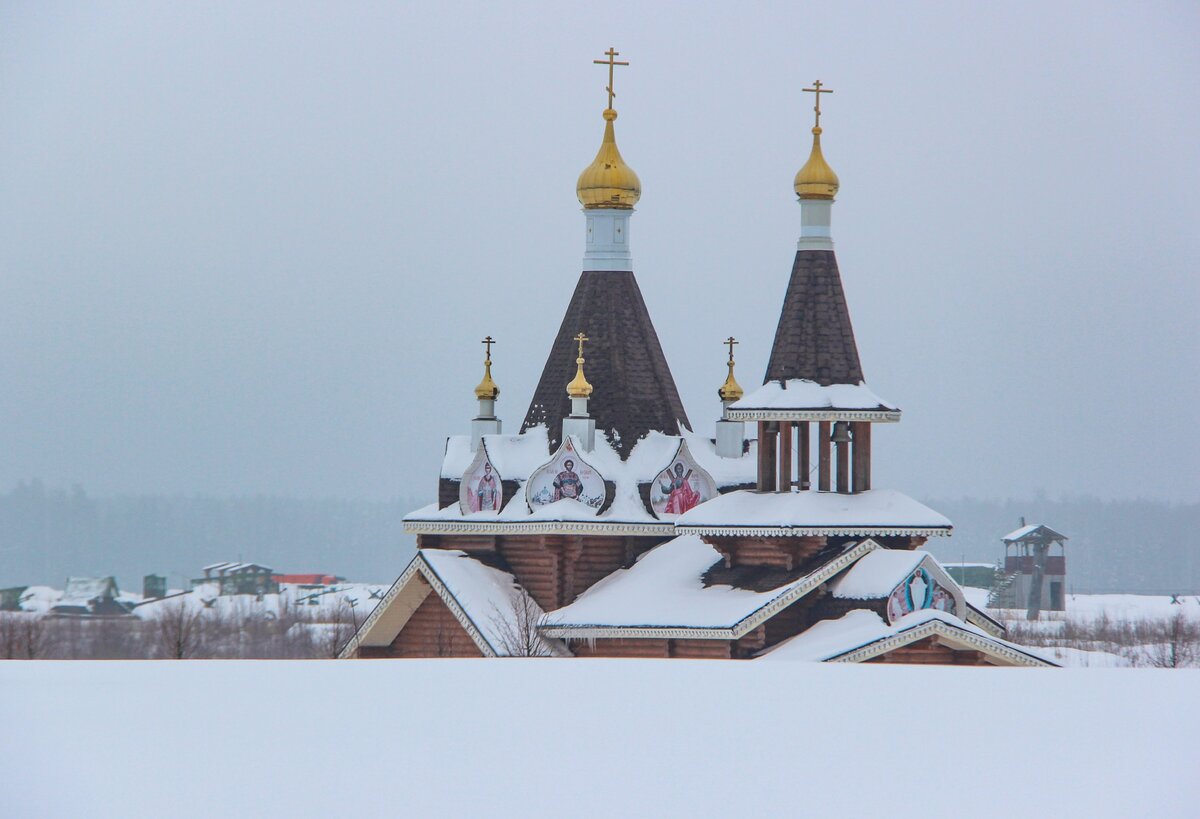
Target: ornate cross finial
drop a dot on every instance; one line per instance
(488, 342)
(581, 338)
(730, 391)
(611, 62)
(817, 91)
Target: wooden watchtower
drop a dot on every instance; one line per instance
(1038, 577)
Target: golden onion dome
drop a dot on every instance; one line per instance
(608, 182)
(487, 389)
(816, 180)
(731, 390)
(579, 386)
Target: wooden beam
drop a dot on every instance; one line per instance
(823, 461)
(785, 457)
(805, 466)
(762, 456)
(860, 469)
(843, 467)
(866, 447)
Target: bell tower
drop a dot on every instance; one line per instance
(814, 410)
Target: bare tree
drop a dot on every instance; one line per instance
(180, 630)
(22, 636)
(517, 628)
(1177, 645)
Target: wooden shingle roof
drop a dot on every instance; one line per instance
(814, 339)
(633, 388)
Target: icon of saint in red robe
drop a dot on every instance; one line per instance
(678, 489)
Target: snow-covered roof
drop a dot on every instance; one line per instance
(802, 400)
(862, 634)
(1042, 531)
(227, 567)
(878, 573)
(80, 590)
(517, 457)
(664, 595)
(480, 597)
(873, 512)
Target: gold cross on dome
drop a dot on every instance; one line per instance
(611, 62)
(817, 90)
(730, 342)
(581, 338)
(488, 342)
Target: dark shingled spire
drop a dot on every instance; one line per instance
(634, 391)
(814, 340)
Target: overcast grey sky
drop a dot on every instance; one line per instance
(251, 247)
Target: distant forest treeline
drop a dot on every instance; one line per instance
(48, 534)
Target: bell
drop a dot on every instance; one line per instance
(841, 433)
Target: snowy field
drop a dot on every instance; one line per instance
(594, 738)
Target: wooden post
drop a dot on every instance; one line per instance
(860, 469)
(823, 462)
(805, 467)
(865, 443)
(772, 454)
(785, 457)
(762, 456)
(843, 467)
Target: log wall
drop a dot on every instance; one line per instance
(931, 652)
(432, 631)
(623, 648)
(700, 649)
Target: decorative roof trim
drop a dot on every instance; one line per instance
(549, 527)
(814, 531)
(734, 632)
(981, 620)
(827, 414)
(418, 566)
(938, 628)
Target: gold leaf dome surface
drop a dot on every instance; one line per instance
(608, 182)
(816, 180)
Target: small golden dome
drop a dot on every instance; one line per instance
(579, 386)
(487, 389)
(608, 182)
(731, 390)
(816, 180)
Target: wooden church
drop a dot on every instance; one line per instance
(608, 528)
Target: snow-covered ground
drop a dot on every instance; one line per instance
(593, 738)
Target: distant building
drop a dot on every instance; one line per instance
(90, 596)
(1034, 578)
(154, 586)
(308, 580)
(10, 598)
(239, 578)
(974, 575)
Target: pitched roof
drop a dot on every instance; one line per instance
(666, 593)
(789, 514)
(861, 635)
(1034, 532)
(633, 388)
(814, 339)
(479, 596)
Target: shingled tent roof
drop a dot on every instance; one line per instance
(633, 388)
(815, 340)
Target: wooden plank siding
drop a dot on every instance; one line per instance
(613, 647)
(432, 631)
(930, 651)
